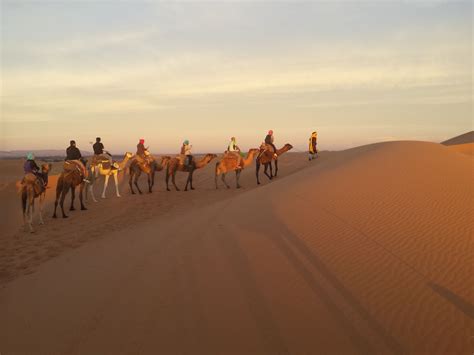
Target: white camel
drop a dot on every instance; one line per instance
(107, 169)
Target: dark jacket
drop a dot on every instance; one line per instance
(140, 149)
(31, 167)
(269, 139)
(73, 153)
(98, 148)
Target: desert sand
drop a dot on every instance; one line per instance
(367, 250)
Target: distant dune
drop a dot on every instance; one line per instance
(465, 138)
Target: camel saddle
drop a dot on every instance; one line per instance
(182, 159)
(70, 166)
(100, 159)
(234, 156)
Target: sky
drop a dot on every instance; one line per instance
(357, 72)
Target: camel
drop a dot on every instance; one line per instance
(136, 170)
(177, 164)
(267, 155)
(69, 180)
(234, 162)
(107, 169)
(32, 188)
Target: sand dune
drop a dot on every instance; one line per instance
(467, 148)
(367, 250)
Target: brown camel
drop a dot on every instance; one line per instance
(234, 162)
(177, 164)
(267, 155)
(69, 179)
(136, 169)
(31, 188)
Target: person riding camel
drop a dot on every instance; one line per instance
(73, 155)
(99, 152)
(313, 141)
(186, 151)
(30, 167)
(269, 139)
(233, 147)
(98, 147)
(142, 155)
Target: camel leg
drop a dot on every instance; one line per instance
(116, 185)
(173, 176)
(189, 181)
(81, 191)
(135, 180)
(192, 177)
(30, 202)
(58, 194)
(63, 197)
(167, 178)
(41, 202)
(91, 190)
(257, 170)
(152, 179)
(237, 177)
(24, 200)
(265, 171)
(106, 183)
(276, 167)
(149, 182)
(73, 197)
(130, 180)
(223, 180)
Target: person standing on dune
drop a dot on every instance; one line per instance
(313, 141)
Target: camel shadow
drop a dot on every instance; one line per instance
(461, 304)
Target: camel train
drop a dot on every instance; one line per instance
(76, 175)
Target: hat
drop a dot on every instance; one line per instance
(141, 141)
(186, 142)
(270, 132)
(30, 156)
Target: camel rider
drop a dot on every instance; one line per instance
(98, 147)
(74, 154)
(269, 139)
(186, 151)
(142, 155)
(31, 167)
(99, 153)
(313, 141)
(233, 147)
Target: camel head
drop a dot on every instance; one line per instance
(165, 159)
(254, 151)
(128, 155)
(288, 146)
(209, 157)
(46, 168)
